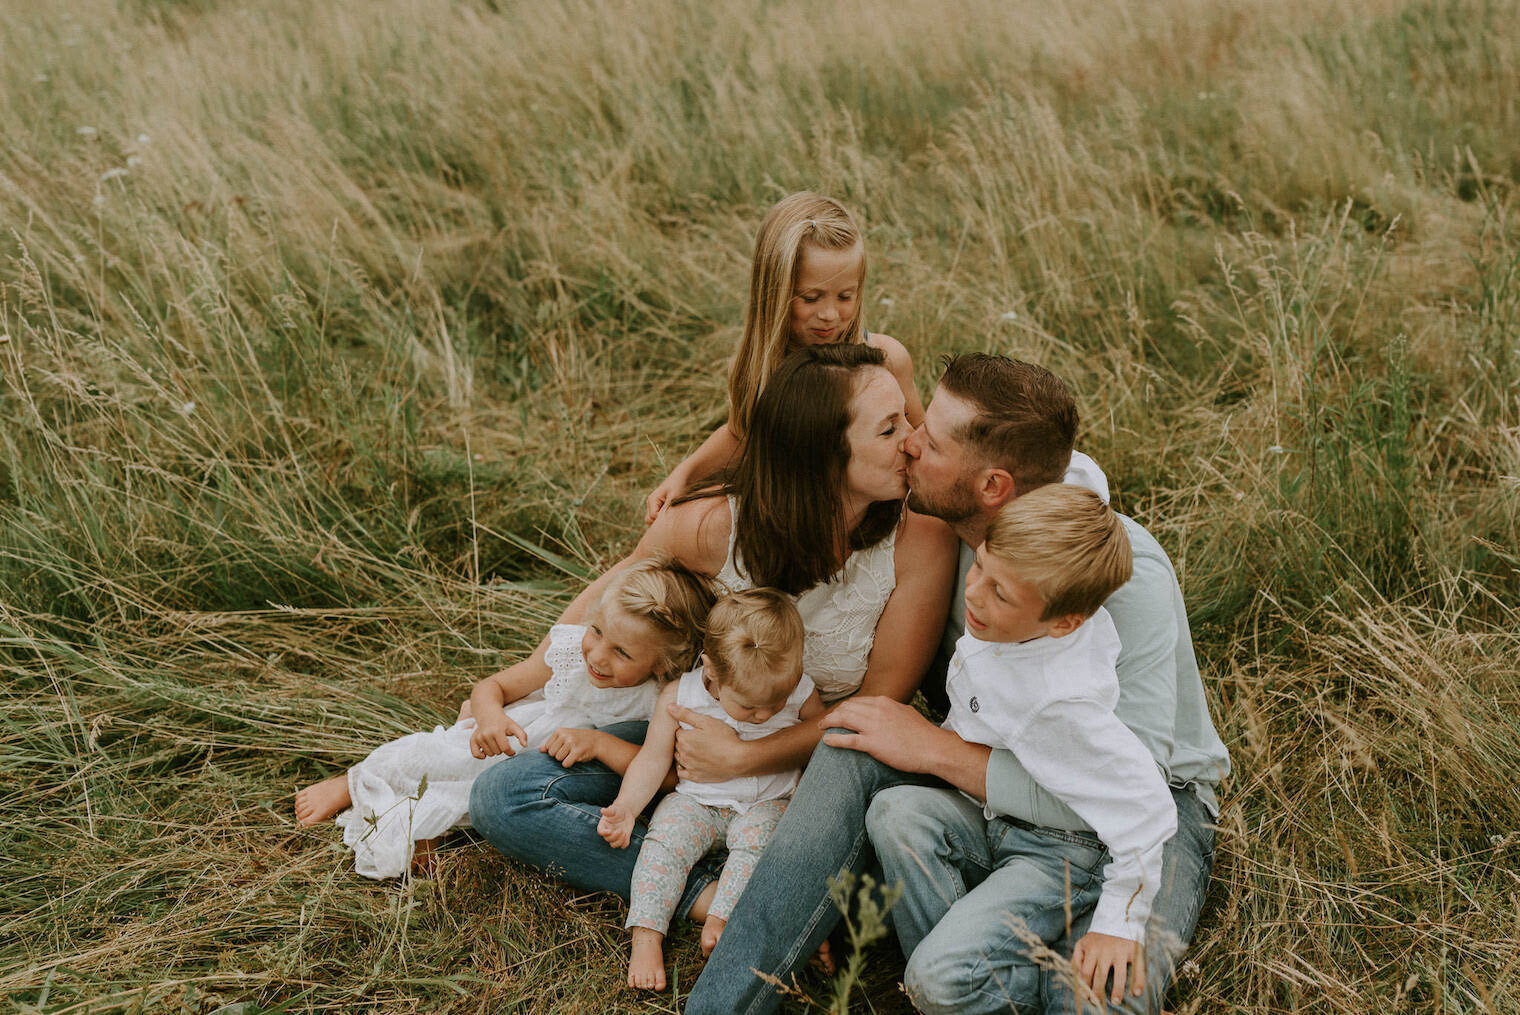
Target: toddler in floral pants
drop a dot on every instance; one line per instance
(751, 679)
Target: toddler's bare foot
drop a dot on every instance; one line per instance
(425, 858)
(321, 800)
(712, 929)
(703, 902)
(825, 958)
(646, 966)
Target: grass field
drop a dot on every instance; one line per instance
(342, 342)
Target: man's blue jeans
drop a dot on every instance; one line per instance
(533, 809)
(982, 899)
(785, 913)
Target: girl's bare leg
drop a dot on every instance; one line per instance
(425, 857)
(646, 966)
(322, 800)
(702, 903)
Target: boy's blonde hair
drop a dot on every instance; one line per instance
(795, 221)
(754, 644)
(1067, 543)
(673, 600)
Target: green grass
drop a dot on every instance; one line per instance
(325, 406)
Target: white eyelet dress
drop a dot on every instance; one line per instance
(839, 615)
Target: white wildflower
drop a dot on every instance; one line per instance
(87, 131)
(4, 339)
(1278, 449)
(1009, 316)
(115, 173)
(885, 301)
(99, 201)
(187, 408)
(40, 79)
(134, 160)
(143, 139)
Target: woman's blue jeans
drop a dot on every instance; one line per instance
(533, 809)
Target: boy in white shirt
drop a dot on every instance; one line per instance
(1033, 674)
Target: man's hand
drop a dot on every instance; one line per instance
(886, 729)
(491, 736)
(1097, 955)
(571, 746)
(705, 752)
(616, 826)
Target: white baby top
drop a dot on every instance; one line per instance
(746, 791)
(839, 615)
(1051, 702)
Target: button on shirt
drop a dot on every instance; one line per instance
(1051, 702)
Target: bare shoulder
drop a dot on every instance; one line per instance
(898, 360)
(694, 532)
(923, 544)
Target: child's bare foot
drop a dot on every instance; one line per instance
(825, 958)
(646, 966)
(712, 930)
(425, 858)
(703, 902)
(322, 800)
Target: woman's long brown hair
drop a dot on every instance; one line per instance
(789, 480)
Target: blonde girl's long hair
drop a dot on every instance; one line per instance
(800, 219)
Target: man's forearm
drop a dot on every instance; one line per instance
(960, 763)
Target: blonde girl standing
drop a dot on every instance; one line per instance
(805, 288)
(646, 629)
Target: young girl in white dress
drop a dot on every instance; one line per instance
(646, 628)
(751, 679)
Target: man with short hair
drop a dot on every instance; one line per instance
(995, 429)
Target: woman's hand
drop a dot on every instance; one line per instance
(492, 736)
(707, 752)
(570, 746)
(616, 826)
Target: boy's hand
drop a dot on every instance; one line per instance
(491, 736)
(616, 826)
(571, 746)
(1097, 955)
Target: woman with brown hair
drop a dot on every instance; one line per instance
(814, 507)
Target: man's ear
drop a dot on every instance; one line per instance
(994, 487)
(1062, 626)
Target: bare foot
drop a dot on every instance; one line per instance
(321, 800)
(425, 858)
(712, 929)
(646, 966)
(698, 911)
(825, 958)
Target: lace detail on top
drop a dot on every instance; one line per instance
(839, 615)
(571, 692)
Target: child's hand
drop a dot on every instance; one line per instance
(1096, 955)
(466, 710)
(492, 736)
(571, 746)
(663, 495)
(616, 826)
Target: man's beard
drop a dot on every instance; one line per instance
(954, 506)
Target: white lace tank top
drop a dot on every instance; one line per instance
(839, 615)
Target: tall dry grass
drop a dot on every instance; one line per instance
(343, 341)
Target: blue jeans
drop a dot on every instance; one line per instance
(533, 809)
(1186, 866)
(785, 913)
(981, 898)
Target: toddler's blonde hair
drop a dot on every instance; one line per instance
(673, 600)
(754, 644)
(1067, 543)
(798, 220)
